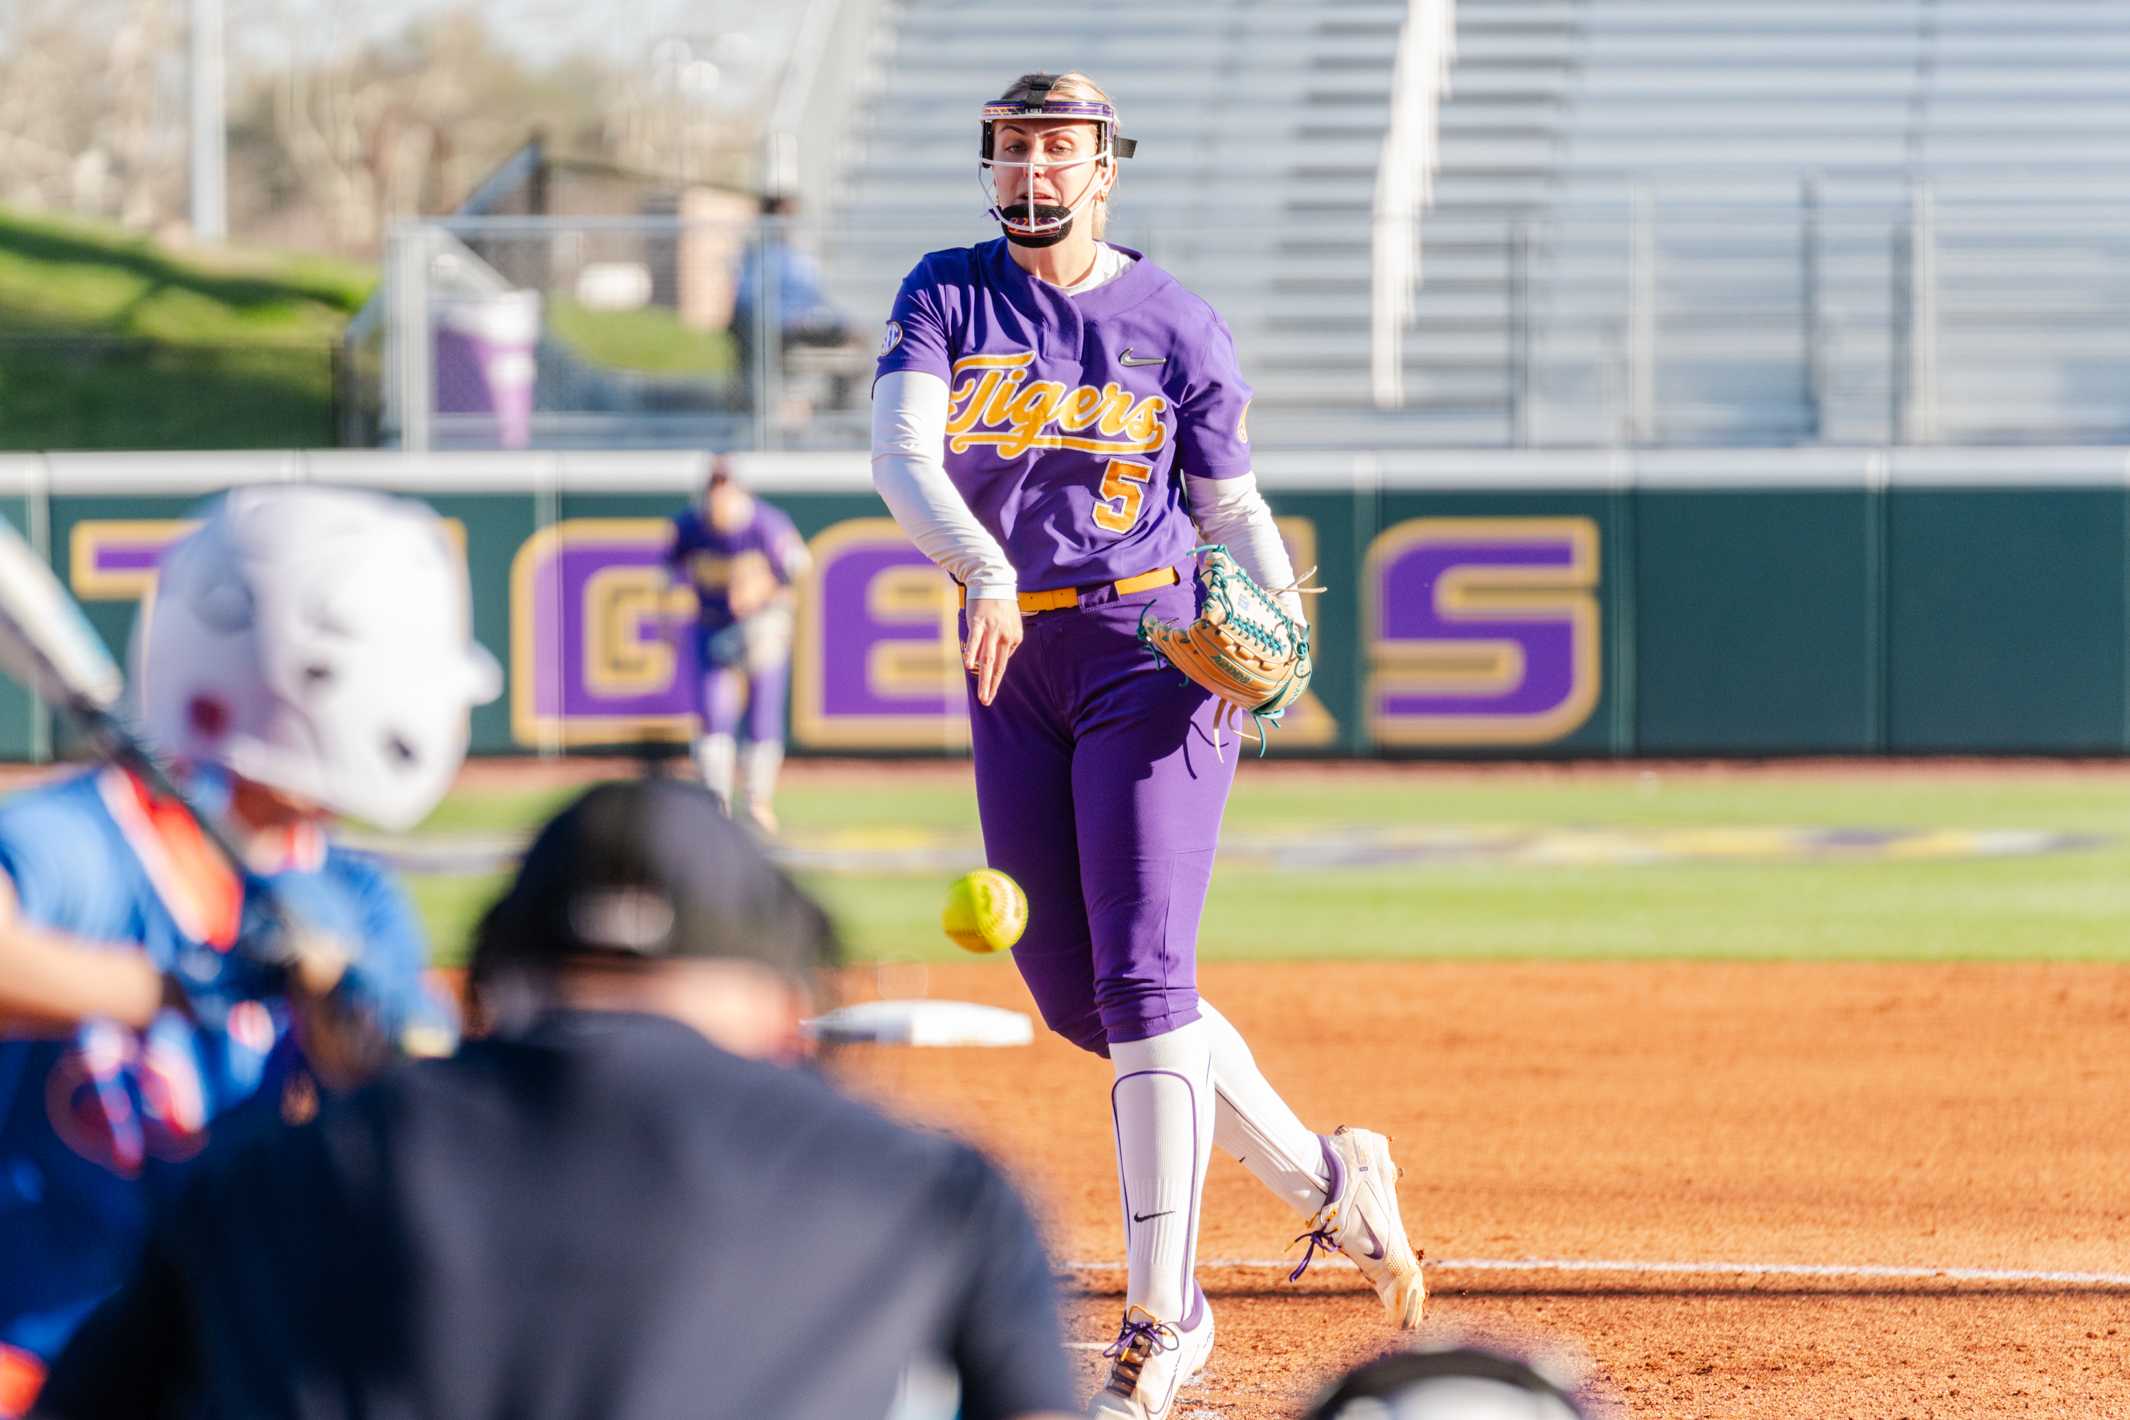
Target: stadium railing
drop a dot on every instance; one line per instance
(1851, 308)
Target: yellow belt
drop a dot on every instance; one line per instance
(1059, 598)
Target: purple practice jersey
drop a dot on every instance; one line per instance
(703, 557)
(1069, 418)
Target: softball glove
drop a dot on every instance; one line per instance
(1244, 647)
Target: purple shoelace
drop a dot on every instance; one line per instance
(1317, 1238)
(1320, 1236)
(1159, 1337)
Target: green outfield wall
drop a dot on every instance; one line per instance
(1491, 603)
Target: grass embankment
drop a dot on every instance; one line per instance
(109, 341)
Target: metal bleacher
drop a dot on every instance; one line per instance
(1650, 221)
(1260, 128)
(1772, 221)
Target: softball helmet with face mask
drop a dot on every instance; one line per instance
(1034, 100)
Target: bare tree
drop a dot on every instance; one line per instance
(335, 132)
(91, 118)
(399, 127)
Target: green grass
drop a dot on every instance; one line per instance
(450, 906)
(495, 810)
(2065, 906)
(107, 341)
(651, 340)
(1275, 801)
(64, 276)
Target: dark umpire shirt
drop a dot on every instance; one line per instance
(602, 1216)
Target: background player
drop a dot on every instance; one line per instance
(1052, 414)
(742, 557)
(308, 653)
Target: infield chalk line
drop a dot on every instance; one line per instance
(1691, 1269)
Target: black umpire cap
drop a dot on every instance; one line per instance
(649, 870)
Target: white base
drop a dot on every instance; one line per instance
(922, 1023)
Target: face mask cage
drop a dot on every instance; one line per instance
(1025, 217)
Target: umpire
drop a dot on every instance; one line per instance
(622, 1202)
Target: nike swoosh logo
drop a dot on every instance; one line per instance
(1375, 1244)
(1143, 1217)
(1126, 359)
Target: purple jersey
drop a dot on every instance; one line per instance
(703, 557)
(1070, 417)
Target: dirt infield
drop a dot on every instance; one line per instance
(1766, 1115)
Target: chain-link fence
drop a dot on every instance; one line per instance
(701, 327)
(1909, 318)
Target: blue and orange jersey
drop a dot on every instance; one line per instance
(97, 1127)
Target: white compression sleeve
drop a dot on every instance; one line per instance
(1162, 1106)
(1232, 511)
(909, 470)
(1255, 1127)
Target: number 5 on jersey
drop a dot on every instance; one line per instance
(1123, 495)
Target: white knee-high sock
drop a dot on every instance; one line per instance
(759, 764)
(1162, 1102)
(716, 756)
(1253, 1124)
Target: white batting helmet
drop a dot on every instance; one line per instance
(318, 641)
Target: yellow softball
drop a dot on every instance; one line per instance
(986, 912)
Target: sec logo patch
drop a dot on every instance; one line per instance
(891, 337)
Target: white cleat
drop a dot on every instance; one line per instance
(1361, 1220)
(1151, 1361)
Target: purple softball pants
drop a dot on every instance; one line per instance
(1101, 796)
(727, 695)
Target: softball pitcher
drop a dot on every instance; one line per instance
(1058, 424)
(309, 653)
(741, 557)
